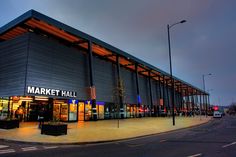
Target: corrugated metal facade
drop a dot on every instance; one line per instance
(53, 65)
(128, 78)
(45, 62)
(105, 79)
(13, 66)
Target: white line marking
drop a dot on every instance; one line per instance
(162, 141)
(50, 147)
(7, 151)
(135, 145)
(195, 155)
(29, 148)
(3, 146)
(227, 145)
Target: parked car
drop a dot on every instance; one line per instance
(217, 114)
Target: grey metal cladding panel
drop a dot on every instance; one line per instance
(53, 65)
(155, 92)
(144, 90)
(13, 66)
(130, 86)
(105, 79)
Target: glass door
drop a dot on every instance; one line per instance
(88, 111)
(100, 111)
(64, 112)
(56, 112)
(81, 111)
(73, 112)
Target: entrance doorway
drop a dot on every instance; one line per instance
(60, 110)
(81, 111)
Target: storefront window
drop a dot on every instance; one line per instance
(107, 111)
(125, 112)
(73, 110)
(56, 111)
(113, 113)
(19, 107)
(100, 110)
(60, 110)
(88, 110)
(64, 112)
(3, 107)
(81, 111)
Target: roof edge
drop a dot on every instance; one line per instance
(16, 21)
(35, 14)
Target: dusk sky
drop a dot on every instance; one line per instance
(204, 44)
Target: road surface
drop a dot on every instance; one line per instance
(215, 139)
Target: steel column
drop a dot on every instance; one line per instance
(168, 97)
(121, 103)
(137, 88)
(209, 100)
(164, 94)
(193, 105)
(92, 86)
(182, 98)
(150, 90)
(160, 96)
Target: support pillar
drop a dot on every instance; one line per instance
(206, 104)
(160, 97)
(137, 89)
(168, 96)
(164, 94)
(209, 100)
(192, 102)
(120, 90)
(187, 101)
(150, 91)
(182, 98)
(92, 86)
(200, 105)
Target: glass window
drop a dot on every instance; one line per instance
(100, 111)
(125, 113)
(88, 110)
(3, 107)
(107, 111)
(64, 112)
(128, 109)
(56, 111)
(81, 111)
(73, 112)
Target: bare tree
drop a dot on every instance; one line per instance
(118, 98)
(232, 108)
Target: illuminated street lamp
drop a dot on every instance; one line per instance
(171, 77)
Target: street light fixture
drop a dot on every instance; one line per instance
(171, 77)
(203, 79)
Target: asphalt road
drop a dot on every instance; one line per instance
(215, 139)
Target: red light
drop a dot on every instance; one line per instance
(216, 108)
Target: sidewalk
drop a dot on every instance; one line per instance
(100, 131)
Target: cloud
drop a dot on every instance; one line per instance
(206, 43)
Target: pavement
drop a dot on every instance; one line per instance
(101, 131)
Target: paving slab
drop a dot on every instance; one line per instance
(102, 130)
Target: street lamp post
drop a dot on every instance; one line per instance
(171, 77)
(203, 79)
(209, 96)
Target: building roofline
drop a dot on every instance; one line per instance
(34, 14)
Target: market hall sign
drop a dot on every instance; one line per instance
(50, 92)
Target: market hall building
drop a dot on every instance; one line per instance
(72, 76)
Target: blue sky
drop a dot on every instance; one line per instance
(204, 44)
